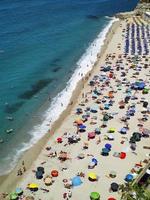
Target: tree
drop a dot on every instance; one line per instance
(134, 192)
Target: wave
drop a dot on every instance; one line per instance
(84, 65)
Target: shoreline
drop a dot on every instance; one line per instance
(10, 180)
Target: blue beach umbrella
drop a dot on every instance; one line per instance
(123, 131)
(141, 85)
(108, 146)
(94, 160)
(106, 106)
(82, 126)
(97, 130)
(76, 181)
(129, 177)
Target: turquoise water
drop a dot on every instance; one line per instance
(40, 43)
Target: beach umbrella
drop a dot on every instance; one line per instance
(59, 140)
(106, 106)
(91, 135)
(33, 186)
(105, 117)
(123, 130)
(122, 155)
(54, 173)
(108, 146)
(114, 187)
(19, 191)
(105, 150)
(145, 91)
(141, 85)
(48, 180)
(129, 177)
(94, 160)
(40, 169)
(76, 181)
(94, 196)
(137, 136)
(112, 130)
(13, 196)
(39, 174)
(110, 137)
(97, 130)
(81, 126)
(91, 165)
(92, 176)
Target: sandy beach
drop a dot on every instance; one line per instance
(46, 153)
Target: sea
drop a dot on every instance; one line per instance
(44, 46)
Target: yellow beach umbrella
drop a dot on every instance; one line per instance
(32, 186)
(92, 176)
(112, 130)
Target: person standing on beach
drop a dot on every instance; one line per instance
(23, 166)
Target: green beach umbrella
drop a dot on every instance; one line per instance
(145, 91)
(13, 196)
(94, 196)
(105, 117)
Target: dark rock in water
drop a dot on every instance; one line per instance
(93, 17)
(56, 69)
(39, 85)
(56, 60)
(13, 107)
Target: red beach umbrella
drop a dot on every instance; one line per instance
(91, 135)
(54, 173)
(111, 198)
(59, 140)
(122, 155)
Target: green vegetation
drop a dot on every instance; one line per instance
(132, 191)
